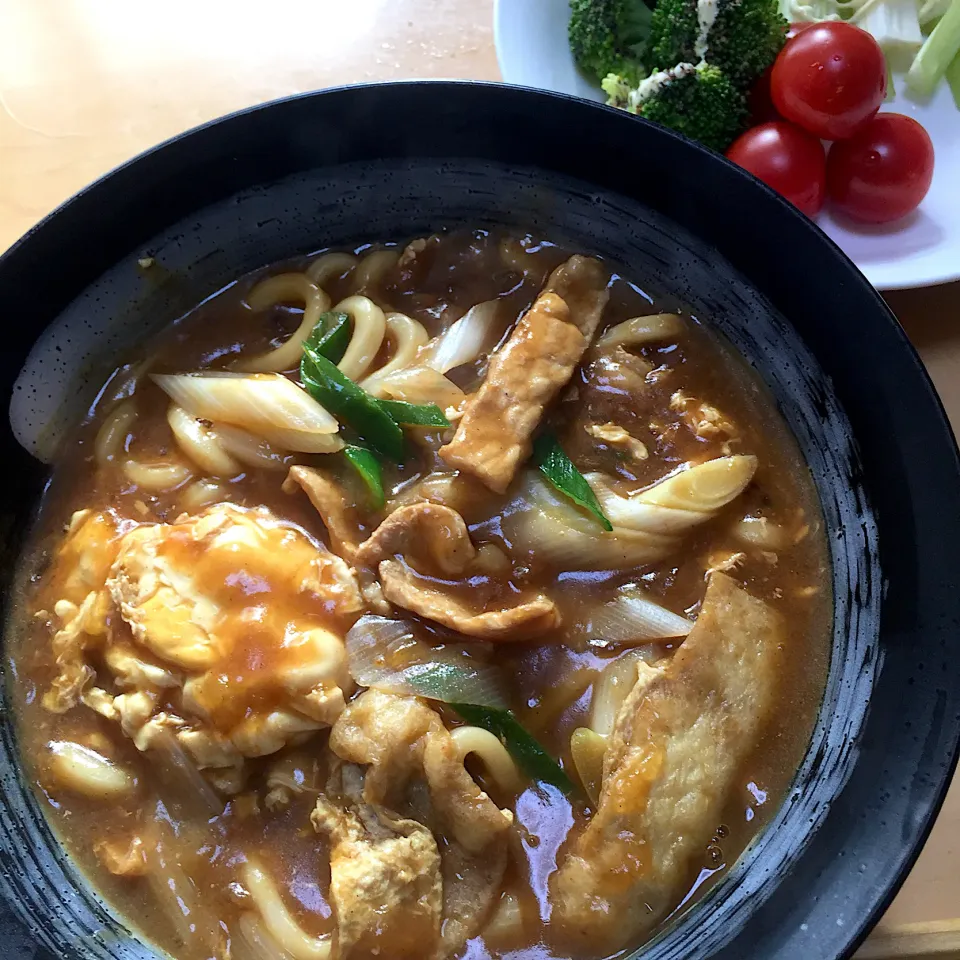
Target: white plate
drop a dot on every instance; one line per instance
(531, 39)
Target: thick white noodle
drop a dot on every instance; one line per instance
(330, 266)
(640, 330)
(407, 337)
(157, 477)
(285, 288)
(253, 942)
(201, 444)
(493, 754)
(277, 918)
(89, 773)
(371, 269)
(113, 432)
(369, 329)
(203, 493)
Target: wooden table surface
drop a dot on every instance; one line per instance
(87, 84)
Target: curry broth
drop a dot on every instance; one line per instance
(550, 681)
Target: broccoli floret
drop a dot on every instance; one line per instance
(702, 104)
(617, 89)
(674, 28)
(608, 36)
(746, 38)
(743, 40)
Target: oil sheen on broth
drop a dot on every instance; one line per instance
(266, 708)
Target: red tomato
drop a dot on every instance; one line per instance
(830, 79)
(796, 28)
(759, 102)
(786, 158)
(883, 171)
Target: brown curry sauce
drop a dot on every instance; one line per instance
(550, 679)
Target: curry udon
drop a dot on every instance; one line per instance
(450, 599)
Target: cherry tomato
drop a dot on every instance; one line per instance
(796, 28)
(786, 158)
(830, 79)
(759, 102)
(883, 171)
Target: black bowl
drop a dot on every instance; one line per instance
(388, 161)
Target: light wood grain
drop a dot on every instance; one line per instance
(936, 940)
(86, 84)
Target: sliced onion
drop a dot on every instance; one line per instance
(386, 654)
(612, 687)
(267, 404)
(551, 529)
(465, 340)
(421, 384)
(298, 441)
(587, 748)
(250, 449)
(197, 796)
(632, 513)
(175, 892)
(702, 487)
(634, 618)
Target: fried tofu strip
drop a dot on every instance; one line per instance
(330, 502)
(673, 757)
(399, 741)
(385, 881)
(494, 434)
(581, 282)
(405, 589)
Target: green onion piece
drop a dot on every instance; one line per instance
(390, 655)
(936, 54)
(368, 467)
(891, 89)
(342, 397)
(415, 414)
(535, 762)
(558, 468)
(330, 336)
(953, 79)
(445, 681)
